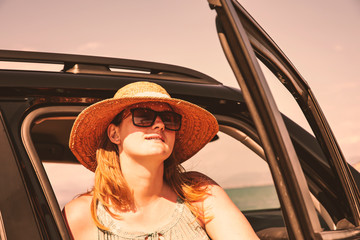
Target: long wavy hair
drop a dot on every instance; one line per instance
(113, 192)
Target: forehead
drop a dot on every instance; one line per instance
(157, 106)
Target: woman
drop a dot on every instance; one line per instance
(135, 143)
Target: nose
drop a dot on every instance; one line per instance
(158, 123)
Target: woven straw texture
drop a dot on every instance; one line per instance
(198, 126)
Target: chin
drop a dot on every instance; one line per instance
(160, 155)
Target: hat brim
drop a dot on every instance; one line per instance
(198, 127)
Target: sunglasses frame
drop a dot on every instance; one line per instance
(156, 114)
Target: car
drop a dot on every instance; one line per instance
(290, 181)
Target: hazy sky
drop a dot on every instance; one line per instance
(320, 37)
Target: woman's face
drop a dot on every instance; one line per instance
(146, 143)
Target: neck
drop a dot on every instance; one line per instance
(145, 180)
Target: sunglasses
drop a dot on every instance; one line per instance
(145, 117)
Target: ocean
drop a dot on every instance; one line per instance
(255, 197)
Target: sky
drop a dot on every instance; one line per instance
(321, 38)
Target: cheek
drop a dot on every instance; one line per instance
(128, 139)
(130, 144)
(172, 137)
(126, 136)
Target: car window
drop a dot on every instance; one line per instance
(319, 170)
(69, 180)
(242, 173)
(284, 100)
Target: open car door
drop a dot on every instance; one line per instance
(244, 43)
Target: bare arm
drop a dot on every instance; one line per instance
(79, 220)
(226, 221)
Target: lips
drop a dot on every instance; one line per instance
(155, 137)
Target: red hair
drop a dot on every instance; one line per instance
(112, 190)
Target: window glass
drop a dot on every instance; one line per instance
(50, 136)
(243, 174)
(284, 100)
(69, 180)
(321, 175)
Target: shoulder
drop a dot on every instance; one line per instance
(82, 201)
(77, 215)
(222, 218)
(76, 209)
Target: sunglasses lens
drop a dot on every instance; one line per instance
(171, 120)
(143, 117)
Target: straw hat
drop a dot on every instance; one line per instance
(198, 126)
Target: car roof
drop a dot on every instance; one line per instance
(91, 73)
